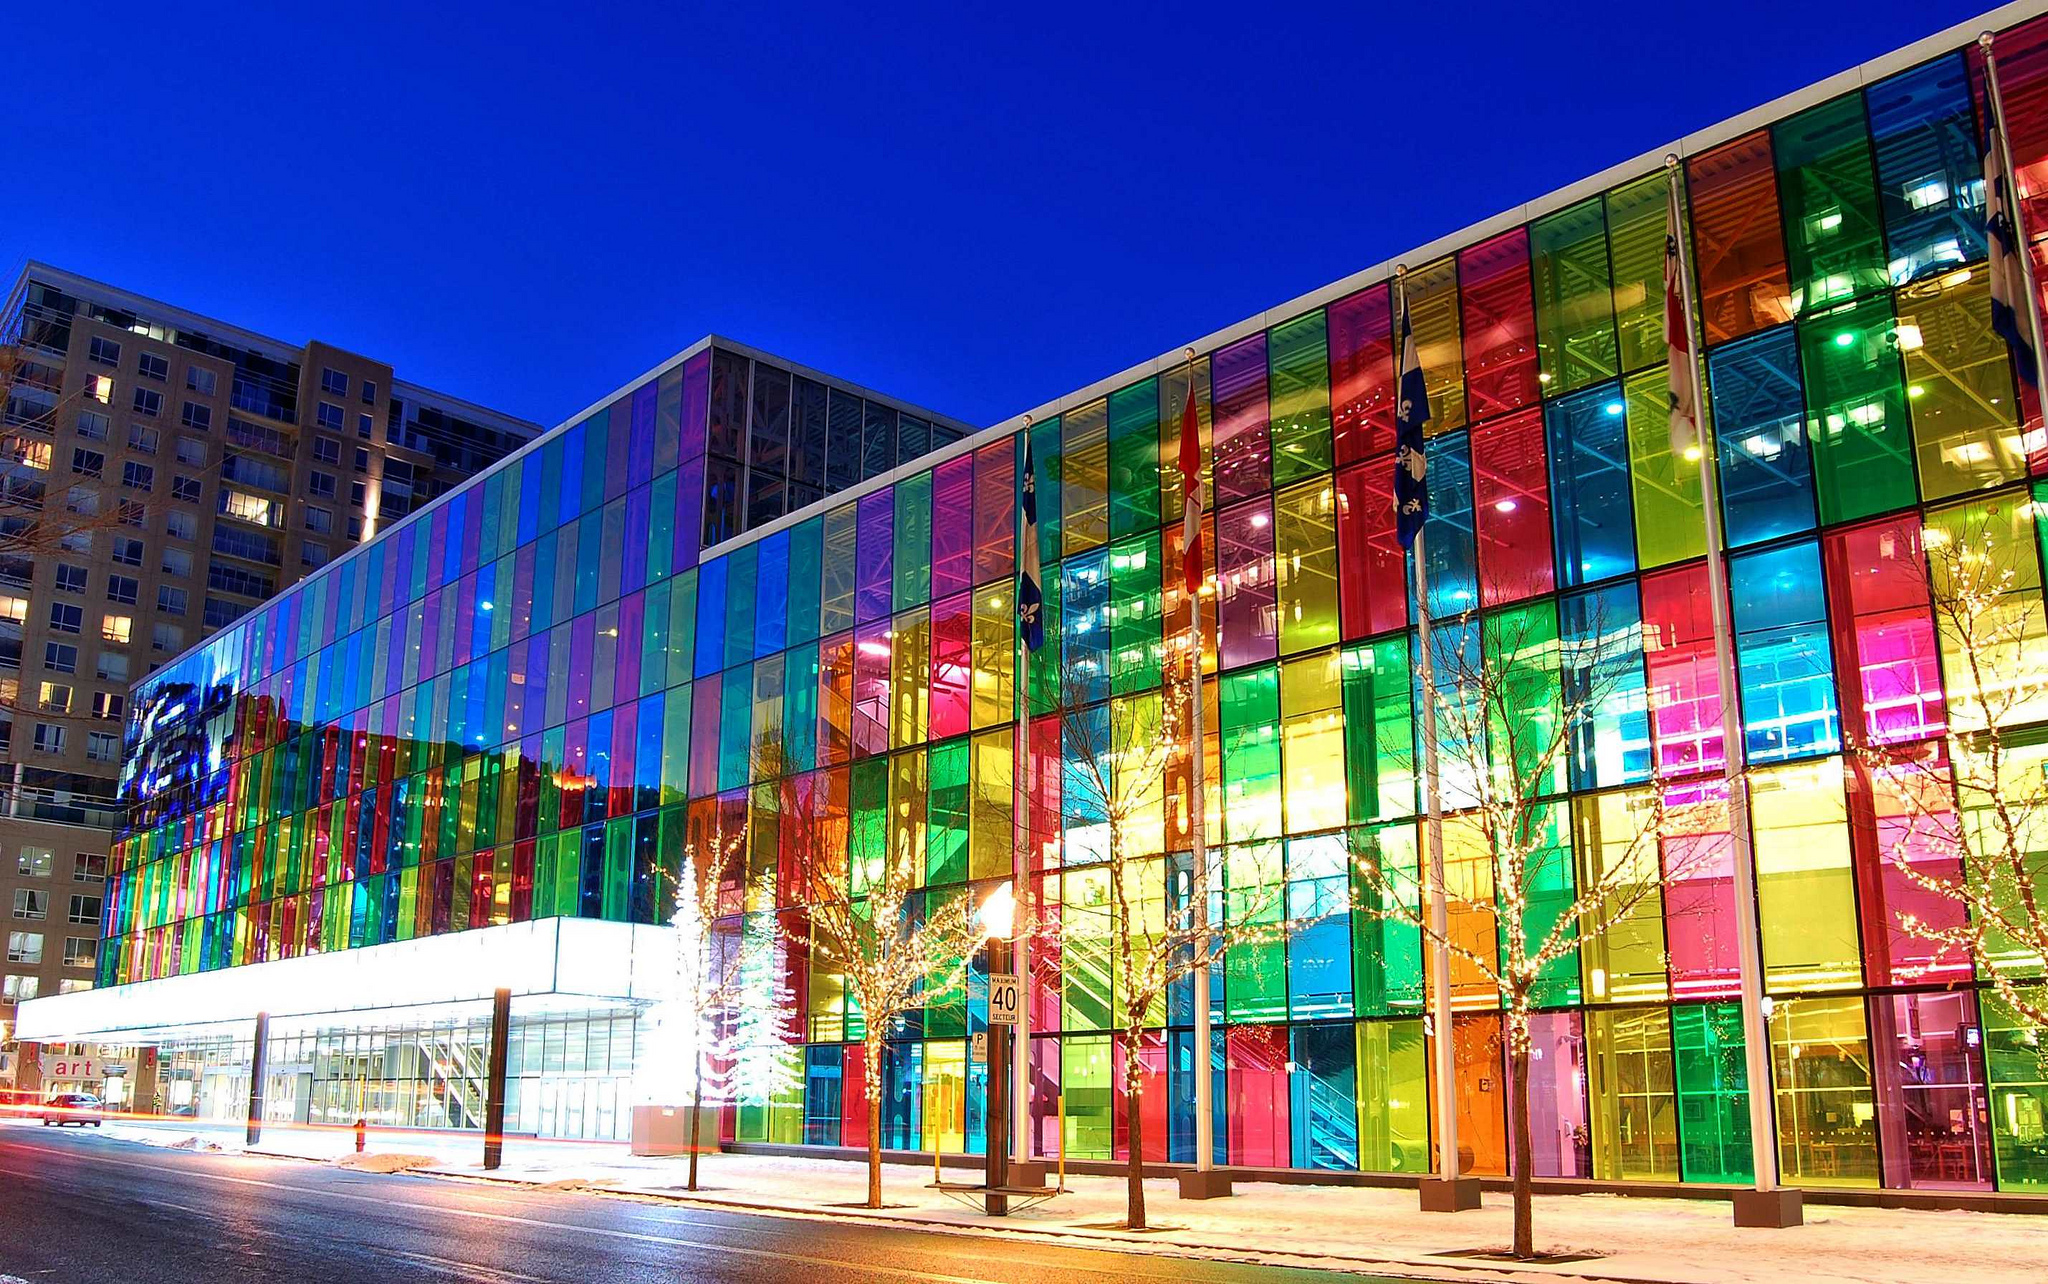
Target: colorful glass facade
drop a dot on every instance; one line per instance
(523, 702)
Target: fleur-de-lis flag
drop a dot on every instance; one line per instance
(1030, 593)
(1411, 467)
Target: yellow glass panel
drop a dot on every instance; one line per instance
(1986, 548)
(1670, 524)
(991, 806)
(1806, 888)
(994, 658)
(945, 1096)
(1433, 311)
(1625, 963)
(1958, 386)
(908, 789)
(1305, 547)
(910, 661)
(1084, 477)
(1820, 1068)
(1312, 743)
(1137, 773)
(1635, 1102)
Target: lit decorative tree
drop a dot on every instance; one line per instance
(1968, 809)
(1514, 702)
(1122, 756)
(898, 948)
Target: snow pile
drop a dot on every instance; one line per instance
(388, 1163)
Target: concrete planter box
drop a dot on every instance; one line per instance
(665, 1130)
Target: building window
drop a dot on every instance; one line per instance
(138, 476)
(103, 746)
(70, 579)
(116, 628)
(362, 460)
(54, 697)
(320, 520)
(60, 657)
(191, 451)
(31, 905)
(355, 528)
(81, 951)
(88, 867)
(50, 738)
(152, 367)
(365, 426)
(66, 618)
(149, 402)
(85, 909)
(369, 392)
(356, 494)
(88, 463)
(168, 638)
(327, 450)
(197, 416)
(187, 489)
(109, 705)
(103, 352)
(320, 485)
(35, 862)
(177, 562)
(13, 608)
(93, 425)
(123, 589)
(312, 555)
(144, 439)
(169, 600)
(128, 552)
(330, 417)
(200, 381)
(112, 666)
(333, 382)
(24, 947)
(19, 989)
(101, 389)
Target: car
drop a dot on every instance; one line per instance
(81, 1108)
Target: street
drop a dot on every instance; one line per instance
(79, 1208)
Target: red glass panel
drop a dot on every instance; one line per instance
(1372, 595)
(1499, 325)
(1362, 374)
(1738, 251)
(953, 526)
(1511, 493)
(1888, 662)
(1255, 1082)
(1684, 684)
(853, 1109)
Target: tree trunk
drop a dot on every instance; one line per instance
(1518, 1110)
(872, 1072)
(1134, 1212)
(696, 1110)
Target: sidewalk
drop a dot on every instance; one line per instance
(1357, 1229)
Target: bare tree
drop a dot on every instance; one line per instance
(897, 945)
(1971, 806)
(1166, 919)
(1519, 905)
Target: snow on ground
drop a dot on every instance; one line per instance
(1360, 1229)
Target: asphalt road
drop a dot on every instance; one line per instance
(77, 1208)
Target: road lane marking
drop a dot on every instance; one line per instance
(839, 1263)
(469, 1270)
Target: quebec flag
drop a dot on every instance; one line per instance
(1030, 593)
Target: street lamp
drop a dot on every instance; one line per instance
(998, 915)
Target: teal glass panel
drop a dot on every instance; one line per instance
(1827, 189)
(1133, 459)
(913, 563)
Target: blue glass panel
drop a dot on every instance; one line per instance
(1591, 509)
(1602, 671)
(1323, 1096)
(1084, 623)
(710, 618)
(1759, 415)
(1180, 1088)
(1447, 537)
(1781, 646)
(1319, 955)
(736, 727)
(740, 567)
(569, 501)
(824, 1094)
(771, 595)
(1930, 178)
(902, 1095)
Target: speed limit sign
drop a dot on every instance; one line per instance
(1002, 998)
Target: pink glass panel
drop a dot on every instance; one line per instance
(1246, 604)
(1684, 685)
(1889, 659)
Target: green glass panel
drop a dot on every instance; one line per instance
(1575, 331)
(675, 745)
(742, 567)
(1713, 1093)
(661, 527)
(1137, 649)
(1299, 356)
(1086, 1075)
(736, 727)
(1134, 458)
(800, 708)
(1636, 217)
(946, 835)
(1386, 953)
(1046, 456)
(1248, 707)
(1255, 972)
(682, 626)
(913, 542)
(1379, 735)
(1827, 193)
(1085, 942)
(1856, 412)
(2019, 1097)
(868, 810)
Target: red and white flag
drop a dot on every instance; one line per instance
(1685, 434)
(1191, 490)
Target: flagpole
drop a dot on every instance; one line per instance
(1206, 1183)
(1021, 885)
(1767, 1204)
(2012, 208)
(1444, 1064)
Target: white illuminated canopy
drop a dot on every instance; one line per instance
(556, 963)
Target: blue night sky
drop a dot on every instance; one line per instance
(974, 207)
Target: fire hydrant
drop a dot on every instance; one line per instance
(362, 1131)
